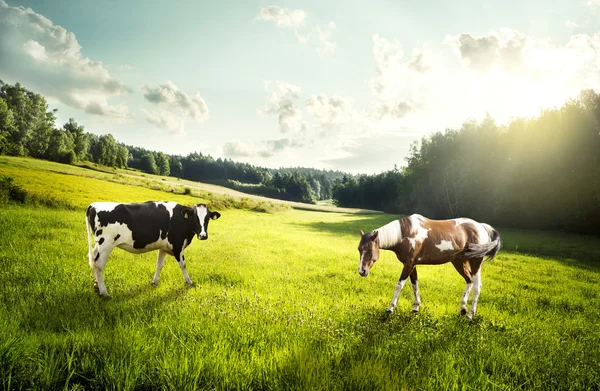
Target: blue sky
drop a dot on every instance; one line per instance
(328, 84)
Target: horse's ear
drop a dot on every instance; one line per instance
(362, 232)
(375, 235)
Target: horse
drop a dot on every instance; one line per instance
(417, 240)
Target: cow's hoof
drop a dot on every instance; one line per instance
(154, 283)
(190, 284)
(105, 296)
(95, 286)
(415, 311)
(463, 311)
(389, 311)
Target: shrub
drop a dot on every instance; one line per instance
(11, 192)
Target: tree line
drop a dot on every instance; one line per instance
(28, 128)
(541, 172)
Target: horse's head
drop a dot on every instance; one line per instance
(368, 249)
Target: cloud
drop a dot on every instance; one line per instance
(392, 73)
(282, 17)
(322, 36)
(266, 149)
(282, 102)
(515, 54)
(373, 154)
(593, 3)
(391, 110)
(286, 18)
(236, 148)
(126, 67)
(504, 49)
(166, 120)
(48, 59)
(169, 95)
(331, 112)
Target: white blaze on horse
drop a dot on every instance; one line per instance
(417, 240)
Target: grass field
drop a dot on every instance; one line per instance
(278, 304)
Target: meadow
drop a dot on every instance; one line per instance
(278, 303)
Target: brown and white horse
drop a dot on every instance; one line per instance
(417, 240)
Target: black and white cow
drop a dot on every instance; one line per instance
(138, 228)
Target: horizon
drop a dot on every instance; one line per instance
(309, 85)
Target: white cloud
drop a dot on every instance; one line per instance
(512, 53)
(126, 67)
(570, 24)
(282, 101)
(266, 149)
(331, 112)
(47, 59)
(166, 120)
(282, 17)
(593, 3)
(393, 74)
(169, 95)
(286, 18)
(391, 110)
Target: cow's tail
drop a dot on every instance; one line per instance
(490, 249)
(89, 234)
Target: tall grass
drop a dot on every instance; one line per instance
(278, 305)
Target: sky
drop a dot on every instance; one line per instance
(344, 85)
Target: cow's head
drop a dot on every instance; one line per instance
(201, 218)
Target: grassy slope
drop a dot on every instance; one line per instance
(278, 305)
(8, 165)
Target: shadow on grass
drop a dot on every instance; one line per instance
(75, 310)
(581, 251)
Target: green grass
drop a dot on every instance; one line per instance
(278, 304)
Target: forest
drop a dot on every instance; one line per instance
(541, 172)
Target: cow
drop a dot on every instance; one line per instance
(141, 227)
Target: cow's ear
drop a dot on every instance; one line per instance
(215, 215)
(186, 213)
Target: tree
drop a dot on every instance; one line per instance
(80, 138)
(175, 167)
(148, 164)
(162, 163)
(7, 126)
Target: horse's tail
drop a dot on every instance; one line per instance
(473, 250)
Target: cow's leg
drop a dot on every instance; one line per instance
(160, 262)
(181, 262)
(406, 271)
(415, 287)
(101, 257)
(476, 271)
(463, 270)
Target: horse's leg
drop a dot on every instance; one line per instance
(461, 267)
(406, 271)
(476, 272)
(415, 287)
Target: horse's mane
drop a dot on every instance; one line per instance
(389, 235)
